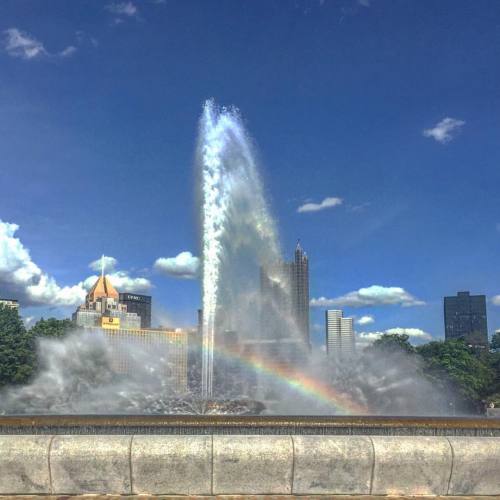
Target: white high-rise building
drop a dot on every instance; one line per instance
(332, 323)
(340, 341)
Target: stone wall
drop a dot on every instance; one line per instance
(251, 464)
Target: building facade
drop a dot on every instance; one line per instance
(103, 312)
(465, 318)
(139, 304)
(284, 288)
(340, 339)
(12, 303)
(300, 291)
(103, 302)
(170, 345)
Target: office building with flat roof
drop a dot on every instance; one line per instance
(139, 304)
(12, 303)
(465, 318)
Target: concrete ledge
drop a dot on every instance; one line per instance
(240, 497)
(90, 464)
(332, 465)
(228, 466)
(172, 465)
(411, 465)
(252, 465)
(24, 464)
(476, 466)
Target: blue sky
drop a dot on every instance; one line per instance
(99, 104)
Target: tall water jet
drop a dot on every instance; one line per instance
(238, 232)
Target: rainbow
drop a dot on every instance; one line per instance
(300, 382)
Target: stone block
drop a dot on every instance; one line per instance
(332, 465)
(24, 464)
(175, 465)
(252, 465)
(476, 466)
(411, 465)
(90, 464)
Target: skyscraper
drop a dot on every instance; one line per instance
(465, 318)
(285, 297)
(300, 291)
(340, 341)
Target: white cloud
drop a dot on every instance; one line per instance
(329, 202)
(445, 130)
(413, 334)
(185, 265)
(374, 295)
(109, 264)
(22, 278)
(68, 51)
(25, 46)
(122, 9)
(365, 320)
(19, 44)
(368, 337)
(496, 300)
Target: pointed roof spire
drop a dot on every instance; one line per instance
(102, 266)
(102, 288)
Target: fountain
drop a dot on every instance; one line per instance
(238, 232)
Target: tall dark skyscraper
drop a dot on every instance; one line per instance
(465, 318)
(140, 304)
(285, 295)
(300, 291)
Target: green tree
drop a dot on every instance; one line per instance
(495, 341)
(52, 327)
(16, 348)
(453, 364)
(393, 343)
(494, 364)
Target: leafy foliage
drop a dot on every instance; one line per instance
(393, 343)
(16, 348)
(52, 328)
(495, 341)
(453, 363)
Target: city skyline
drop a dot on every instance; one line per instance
(385, 170)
